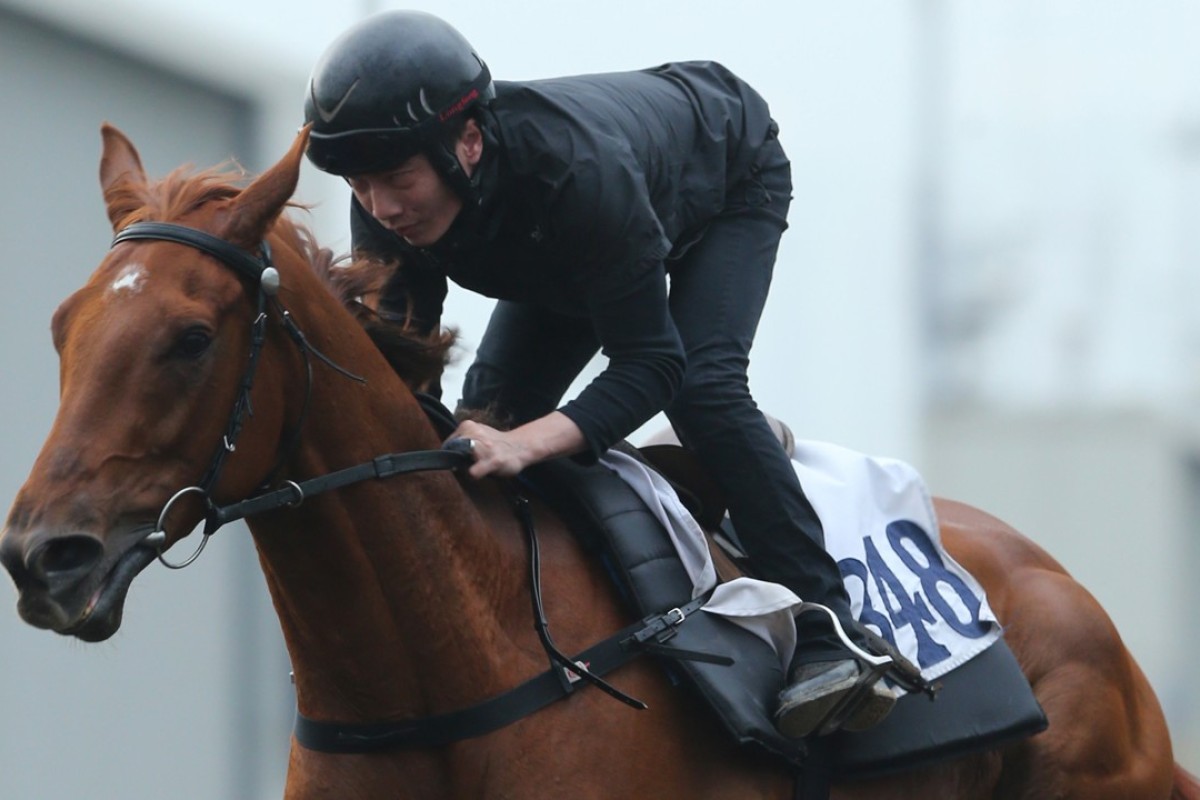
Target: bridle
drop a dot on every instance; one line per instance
(261, 273)
(496, 712)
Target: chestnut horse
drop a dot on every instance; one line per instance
(409, 597)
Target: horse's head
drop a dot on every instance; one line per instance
(152, 350)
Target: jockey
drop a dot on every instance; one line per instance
(576, 202)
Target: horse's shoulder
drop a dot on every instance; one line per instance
(1034, 596)
(1012, 568)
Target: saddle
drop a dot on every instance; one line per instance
(736, 674)
(614, 524)
(616, 527)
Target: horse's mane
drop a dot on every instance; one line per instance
(418, 359)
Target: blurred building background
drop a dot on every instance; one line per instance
(992, 272)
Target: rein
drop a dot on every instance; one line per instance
(491, 714)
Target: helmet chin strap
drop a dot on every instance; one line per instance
(446, 162)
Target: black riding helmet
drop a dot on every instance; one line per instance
(396, 84)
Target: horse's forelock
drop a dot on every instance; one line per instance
(180, 193)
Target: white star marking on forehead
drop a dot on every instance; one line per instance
(131, 279)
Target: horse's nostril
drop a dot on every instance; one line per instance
(65, 559)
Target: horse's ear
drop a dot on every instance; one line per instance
(257, 206)
(120, 165)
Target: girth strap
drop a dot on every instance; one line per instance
(493, 713)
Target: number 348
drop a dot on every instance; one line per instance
(943, 597)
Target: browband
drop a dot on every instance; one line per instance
(218, 248)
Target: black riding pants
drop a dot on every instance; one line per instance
(529, 356)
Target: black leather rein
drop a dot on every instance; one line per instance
(489, 715)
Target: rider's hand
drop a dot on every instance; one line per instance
(505, 453)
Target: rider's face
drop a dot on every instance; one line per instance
(413, 200)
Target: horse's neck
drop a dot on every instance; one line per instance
(384, 589)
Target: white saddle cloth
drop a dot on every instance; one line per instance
(879, 526)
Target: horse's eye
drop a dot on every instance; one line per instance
(193, 343)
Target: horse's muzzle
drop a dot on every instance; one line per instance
(64, 583)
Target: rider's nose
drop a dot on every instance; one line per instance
(385, 204)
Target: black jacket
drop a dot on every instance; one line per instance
(591, 188)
